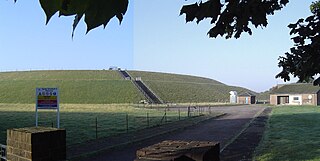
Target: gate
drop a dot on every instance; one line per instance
(3, 152)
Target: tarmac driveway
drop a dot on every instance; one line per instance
(222, 129)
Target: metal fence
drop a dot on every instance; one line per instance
(3, 152)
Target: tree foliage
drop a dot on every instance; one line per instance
(232, 17)
(96, 12)
(303, 60)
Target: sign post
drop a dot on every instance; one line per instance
(47, 98)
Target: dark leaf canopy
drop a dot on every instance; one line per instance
(303, 60)
(95, 12)
(232, 17)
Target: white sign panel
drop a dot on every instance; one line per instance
(47, 98)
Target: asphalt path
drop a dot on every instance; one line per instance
(222, 129)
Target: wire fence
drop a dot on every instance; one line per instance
(96, 126)
(84, 126)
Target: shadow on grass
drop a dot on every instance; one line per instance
(291, 136)
(211, 130)
(81, 126)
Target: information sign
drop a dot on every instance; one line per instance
(47, 98)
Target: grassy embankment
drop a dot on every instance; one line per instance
(84, 96)
(79, 120)
(184, 89)
(292, 134)
(84, 87)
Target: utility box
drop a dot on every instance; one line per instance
(233, 97)
(36, 144)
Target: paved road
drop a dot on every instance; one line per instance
(222, 129)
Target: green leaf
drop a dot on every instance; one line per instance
(77, 19)
(190, 11)
(72, 7)
(50, 7)
(99, 12)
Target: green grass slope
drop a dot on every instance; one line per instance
(184, 88)
(61, 75)
(167, 77)
(85, 87)
(105, 87)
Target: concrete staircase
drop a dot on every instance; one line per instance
(143, 88)
(148, 93)
(125, 75)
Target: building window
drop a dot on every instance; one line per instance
(296, 98)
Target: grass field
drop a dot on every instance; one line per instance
(107, 87)
(192, 92)
(79, 120)
(184, 88)
(292, 134)
(61, 75)
(167, 77)
(85, 87)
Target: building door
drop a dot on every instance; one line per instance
(281, 100)
(247, 100)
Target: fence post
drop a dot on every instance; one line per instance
(127, 122)
(179, 113)
(148, 119)
(96, 127)
(165, 115)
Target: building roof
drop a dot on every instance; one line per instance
(297, 88)
(246, 94)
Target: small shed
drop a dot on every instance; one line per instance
(246, 98)
(296, 94)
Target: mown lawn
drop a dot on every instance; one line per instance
(185, 89)
(75, 86)
(293, 134)
(156, 76)
(72, 91)
(184, 92)
(79, 120)
(61, 75)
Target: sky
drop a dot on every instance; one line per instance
(152, 37)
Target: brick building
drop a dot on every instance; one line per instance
(246, 98)
(296, 94)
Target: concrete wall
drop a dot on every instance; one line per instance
(36, 144)
(295, 99)
(273, 99)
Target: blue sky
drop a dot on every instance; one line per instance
(152, 37)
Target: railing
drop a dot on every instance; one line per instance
(154, 98)
(125, 74)
(3, 152)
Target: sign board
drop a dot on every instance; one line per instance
(47, 98)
